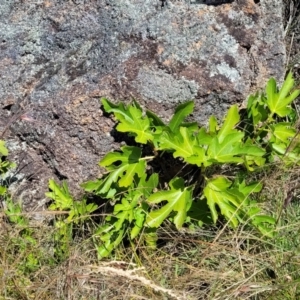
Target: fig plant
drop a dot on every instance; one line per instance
(211, 166)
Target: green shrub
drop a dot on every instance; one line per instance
(215, 163)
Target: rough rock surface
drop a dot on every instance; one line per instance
(58, 57)
(292, 34)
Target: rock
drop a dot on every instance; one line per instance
(58, 58)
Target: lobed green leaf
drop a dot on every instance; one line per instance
(179, 200)
(279, 102)
(131, 120)
(181, 142)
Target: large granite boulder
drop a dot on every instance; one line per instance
(57, 58)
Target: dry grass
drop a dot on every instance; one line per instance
(207, 263)
(212, 263)
(292, 34)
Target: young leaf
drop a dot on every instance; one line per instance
(131, 120)
(272, 97)
(231, 121)
(130, 211)
(226, 150)
(14, 213)
(249, 189)
(181, 142)
(213, 125)
(117, 109)
(286, 87)
(232, 150)
(265, 224)
(199, 157)
(3, 149)
(283, 132)
(61, 196)
(181, 112)
(145, 187)
(80, 211)
(3, 190)
(179, 200)
(250, 159)
(279, 102)
(139, 217)
(257, 108)
(5, 166)
(204, 138)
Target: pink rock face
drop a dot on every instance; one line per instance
(58, 58)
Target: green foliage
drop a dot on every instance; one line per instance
(77, 212)
(279, 102)
(13, 212)
(5, 166)
(272, 122)
(235, 203)
(131, 120)
(24, 240)
(179, 200)
(143, 198)
(204, 148)
(129, 213)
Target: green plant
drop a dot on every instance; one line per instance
(77, 212)
(208, 158)
(273, 122)
(5, 166)
(24, 239)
